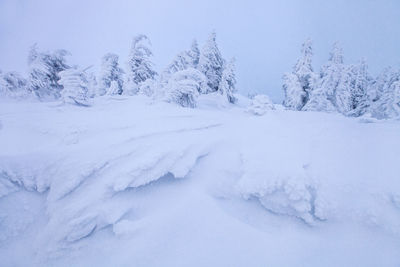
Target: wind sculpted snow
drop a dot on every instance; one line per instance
(126, 179)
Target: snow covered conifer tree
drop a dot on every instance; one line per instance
(114, 89)
(351, 96)
(184, 86)
(388, 105)
(396, 99)
(336, 55)
(332, 75)
(140, 68)
(227, 85)
(379, 86)
(75, 85)
(149, 88)
(211, 62)
(194, 54)
(295, 96)
(184, 60)
(181, 61)
(13, 85)
(359, 87)
(297, 93)
(43, 73)
(342, 90)
(92, 84)
(110, 71)
(303, 68)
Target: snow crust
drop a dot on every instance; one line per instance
(131, 182)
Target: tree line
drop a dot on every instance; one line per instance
(337, 87)
(191, 73)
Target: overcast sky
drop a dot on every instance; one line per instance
(264, 36)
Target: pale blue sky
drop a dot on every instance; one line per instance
(264, 36)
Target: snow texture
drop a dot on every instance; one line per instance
(212, 186)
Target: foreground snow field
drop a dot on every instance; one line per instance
(129, 182)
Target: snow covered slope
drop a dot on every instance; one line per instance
(129, 182)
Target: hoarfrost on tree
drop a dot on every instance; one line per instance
(110, 72)
(92, 84)
(227, 85)
(13, 85)
(149, 88)
(75, 85)
(360, 82)
(194, 54)
(298, 92)
(183, 60)
(114, 89)
(180, 62)
(44, 68)
(295, 96)
(379, 85)
(388, 105)
(211, 63)
(303, 68)
(322, 98)
(184, 87)
(139, 67)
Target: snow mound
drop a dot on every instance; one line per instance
(292, 196)
(260, 104)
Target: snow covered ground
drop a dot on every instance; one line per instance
(132, 182)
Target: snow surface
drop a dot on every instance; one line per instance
(133, 182)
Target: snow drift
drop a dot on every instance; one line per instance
(133, 182)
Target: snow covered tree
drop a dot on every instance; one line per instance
(148, 87)
(342, 91)
(110, 72)
(140, 68)
(359, 86)
(388, 105)
(319, 101)
(211, 62)
(181, 61)
(227, 85)
(92, 84)
(114, 89)
(303, 68)
(332, 76)
(194, 54)
(13, 85)
(380, 85)
(184, 60)
(43, 72)
(75, 83)
(295, 96)
(297, 93)
(395, 88)
(184, 86)
(351, 98)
